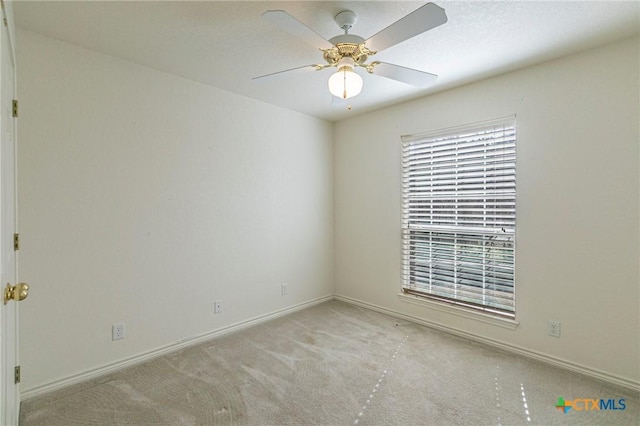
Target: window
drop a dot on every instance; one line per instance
(458, 214)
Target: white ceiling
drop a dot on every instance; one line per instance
(226, 43)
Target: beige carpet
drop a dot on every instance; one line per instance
(333, 364)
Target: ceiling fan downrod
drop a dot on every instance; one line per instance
(346, 19)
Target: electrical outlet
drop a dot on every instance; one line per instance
(553, 328)
(283, 289)
(217, 307)
(117, 331)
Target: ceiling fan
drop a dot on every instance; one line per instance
(346, 52)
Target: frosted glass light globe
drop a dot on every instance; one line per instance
(345, 83)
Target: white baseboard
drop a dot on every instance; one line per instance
(558, 362)
(137, 359)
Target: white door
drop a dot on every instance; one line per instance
(9, 397)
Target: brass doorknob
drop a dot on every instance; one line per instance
(16, 292)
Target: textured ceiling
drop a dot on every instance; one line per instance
(225, 44)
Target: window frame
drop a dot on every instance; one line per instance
(411, 227)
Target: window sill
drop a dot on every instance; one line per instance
(461, 312)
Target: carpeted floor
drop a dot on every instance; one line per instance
(333, 364)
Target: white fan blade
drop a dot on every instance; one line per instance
(288, 23)
(405, 75)
(420, 20)
(290, 71)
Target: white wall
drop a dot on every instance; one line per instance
(577, 205)
(144, 197)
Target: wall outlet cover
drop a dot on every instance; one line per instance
(553, 328)
(117, 331)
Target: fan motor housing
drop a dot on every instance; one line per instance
(346, 45)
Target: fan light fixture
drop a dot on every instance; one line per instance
(345, 83)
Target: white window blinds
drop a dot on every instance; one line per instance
(458, 212)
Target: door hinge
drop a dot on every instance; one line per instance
(4, 14)
(16, 242)
(17, 374)
(15, 107)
